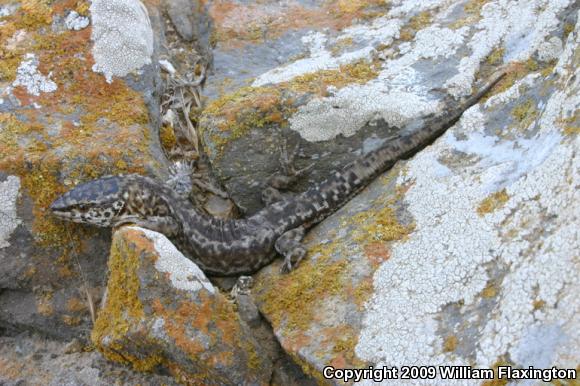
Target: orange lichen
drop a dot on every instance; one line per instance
(239, 24)
(233, 115)
(106, 111)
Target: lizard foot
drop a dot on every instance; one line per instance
(271, 195)
(243, 286)
(288, 174)
(289, 245)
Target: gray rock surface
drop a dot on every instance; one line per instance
(467, 253)
(28, 359)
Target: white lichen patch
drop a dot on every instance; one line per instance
(9, 220)
(183, 273)
(520, 27)
(122, 35)
(382, 31)
(28, 76)
(397, 95)
(76, 22)
(354, 106)
(8, 9)
(402, 8)
(319, 59)
(455, 252)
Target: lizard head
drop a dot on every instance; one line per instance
(99, 202)
(114, 200)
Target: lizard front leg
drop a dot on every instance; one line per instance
(285, 178)
(290, 246)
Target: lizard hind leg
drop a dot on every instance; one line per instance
(289, 245)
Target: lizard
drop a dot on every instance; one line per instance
(236, 247)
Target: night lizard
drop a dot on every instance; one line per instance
(242, 246)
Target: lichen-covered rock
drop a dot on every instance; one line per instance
(122, 35)
(317, 310)
(61, 123)
(162, 312)
(29, 359)
(337, 77)
(465, 255)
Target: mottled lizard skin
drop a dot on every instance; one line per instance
(242, 246)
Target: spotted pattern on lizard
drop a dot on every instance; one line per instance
(242, 246)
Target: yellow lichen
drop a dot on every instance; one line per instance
(381, 225)
(76, 305)
(538, 304)
(167, 137)
(490, 291)
(71, 320)
(44, 304)
(311, 282)
(317, 82)
(568, 28)
(30, 152)
(123, 310)
(473, 10)
(35, 13)
(525, 113)
(572, 130)
(235, 114)
(344, 340)
(496, 56)
(450, 343)
(496, 381)
(493, 202)
(415, 24)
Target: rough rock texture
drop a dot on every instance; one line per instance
(122, 36)
(33, 360)
(338, 76)
(61, 123)
(162, 312)
(468, 253)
